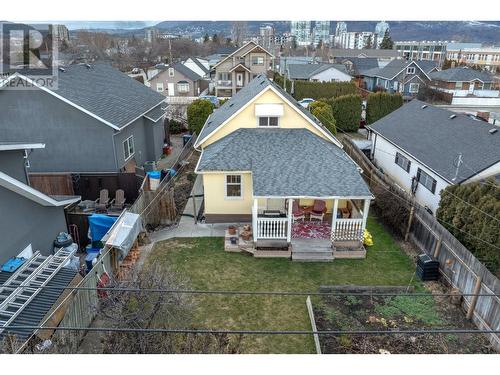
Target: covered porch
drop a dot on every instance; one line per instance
(278, 222)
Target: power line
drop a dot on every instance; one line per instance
(257, 332)
(253, 293)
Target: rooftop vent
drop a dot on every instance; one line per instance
(452, 117)
(88, 66)
(424, 106)
(61, 69)
(492, 131)
(231, 104)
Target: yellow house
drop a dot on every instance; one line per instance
(267, 161)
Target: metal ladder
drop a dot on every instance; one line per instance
(24, 283)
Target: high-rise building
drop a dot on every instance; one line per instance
(321, 32)
(356, 40)
(301, 31)
(380, 30)
(266, 35)
(340, 28)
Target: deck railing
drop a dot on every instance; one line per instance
(272, 228)
(348, 230)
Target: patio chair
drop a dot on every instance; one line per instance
(101, 203)
(297, 212)
(318, 210)
(119, 201)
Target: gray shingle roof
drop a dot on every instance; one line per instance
(362, 64)
(286, 162)
(377, 53)
(241, 98)
(193, 76)
(395, 66)
(432, 137)
(106, 92)
(36, 310)
(306, 71)
(462, 74)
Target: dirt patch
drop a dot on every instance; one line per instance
(396, 313)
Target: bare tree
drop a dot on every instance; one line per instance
(238, 32)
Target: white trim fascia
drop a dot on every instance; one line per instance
(313, 197)
(407, 153)
(270, 87)
(231, 54)
(21, 146)
(28, 192)
(242, 65)
(258, 45)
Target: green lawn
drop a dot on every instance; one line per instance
(208, 266)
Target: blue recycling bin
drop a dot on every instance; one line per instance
(186, 138)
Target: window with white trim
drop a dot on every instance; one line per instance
(233, 186)
(413, 89)
(269, 121)
(410, 70)
(159, 87)
(128, 147)
(402, 162)
(458, 85)
(426, 180)
(171, 72)
(257, 60)
(183, 87)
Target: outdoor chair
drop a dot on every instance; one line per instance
(119, 201)
(101, 203)
(318, 210)
(297, 212)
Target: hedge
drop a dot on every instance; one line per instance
(474, 211)
(346, 111)
(317, 90)
(380, 104)
(197, 113)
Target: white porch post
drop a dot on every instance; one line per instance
(254, 218)
(334, 216)
(366, 208)
(289, 226)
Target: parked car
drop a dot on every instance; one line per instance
(211, 98)
(305, 102)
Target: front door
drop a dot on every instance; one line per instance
(471, 87)
(171, 88)
(239, 79)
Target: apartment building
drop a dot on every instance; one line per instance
(474, 54)
(422, 50)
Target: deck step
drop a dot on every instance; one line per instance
(312, 257)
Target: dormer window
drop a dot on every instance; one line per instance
(269, 121)
(410, 70)
(170, 72)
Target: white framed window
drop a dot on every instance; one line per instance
(458, 85)
(128, 147)
(386, 84)
(268, 121)
(426, 180)
(413, 89)
(233, 187)
(410, 70)
(395, 85)
(403, 162)
(257, 60)
(159, 87)
(183, 87)
(171, 72)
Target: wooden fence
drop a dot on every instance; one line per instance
(458, 266)
(158, 207)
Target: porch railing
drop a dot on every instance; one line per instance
(271, 228)
(348, 230)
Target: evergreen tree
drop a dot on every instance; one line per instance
(387, 42)
(215, 39)
(369, 42)
(206, 38)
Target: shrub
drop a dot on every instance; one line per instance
(176, 127)
(323, 112)
(430, 95)
(197, 113)
(347, 112)
(380, 104)
(318, 90)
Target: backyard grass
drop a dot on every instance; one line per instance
(208, 266)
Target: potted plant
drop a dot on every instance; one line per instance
(231, 229)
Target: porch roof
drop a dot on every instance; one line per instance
(286, 163)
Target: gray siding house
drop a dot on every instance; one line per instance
(29, 219)
(177, 80)
(97, 120)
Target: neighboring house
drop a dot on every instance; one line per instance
(178, 80)
(383, 56)
(30, 220)
(468, 86)
(260, 152)
(400, 76)
(318, 73)
(237, 69)
(426, 149)
(358, 66)
(97, 120)
(285, 61)
(198, 65)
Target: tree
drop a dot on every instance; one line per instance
(294, 43)
(206, 39)
(320, 44)
(347, 112)
(387, 42)
(369, 42)
(323, 112)
(380, 104)
(197, 113)
(238, 32)
(215, 39)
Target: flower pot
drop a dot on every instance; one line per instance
(231, 230)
